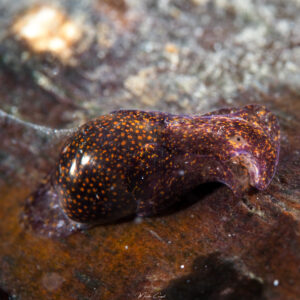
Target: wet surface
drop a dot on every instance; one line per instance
(214, 278)
(174, 56)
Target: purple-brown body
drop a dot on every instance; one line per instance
(138, 163)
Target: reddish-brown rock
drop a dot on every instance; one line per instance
(176, 56)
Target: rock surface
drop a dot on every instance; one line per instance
(177, 56)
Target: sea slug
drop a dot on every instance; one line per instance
(132, 162)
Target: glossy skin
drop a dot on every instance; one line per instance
(138, 163)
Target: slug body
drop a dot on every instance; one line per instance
(138, 163)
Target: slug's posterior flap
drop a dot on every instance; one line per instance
(263, 129)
